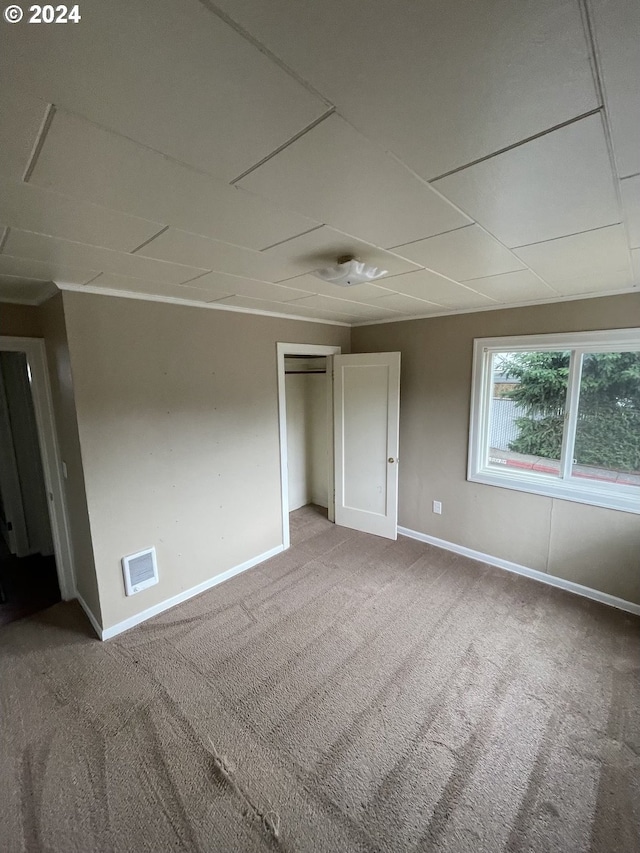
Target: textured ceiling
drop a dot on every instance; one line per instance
(484, 153)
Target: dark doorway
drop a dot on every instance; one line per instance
(28, 574)
(27, 584)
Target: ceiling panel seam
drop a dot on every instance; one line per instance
(431, 236)
(509, 249)
(91, 280)
(455, 206)
(439, 193)
(39, 142)
(245, 34)
(498, 307)
(169, 157)
(201, 275)
(518, 144)
(566, 236)
(594, 61)
(149, 240)
(294, 237)
(464, 282)
(514, 272)
(284, 145)
(389, 281)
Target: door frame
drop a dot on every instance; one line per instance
(284, 349)
(35, 352)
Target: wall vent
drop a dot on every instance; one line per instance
(140, 570)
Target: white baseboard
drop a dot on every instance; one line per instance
(551, 580)
(89, 612)
(132, 621)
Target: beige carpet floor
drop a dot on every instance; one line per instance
(352, 694)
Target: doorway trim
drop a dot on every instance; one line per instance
(284, 349)
(35, 351)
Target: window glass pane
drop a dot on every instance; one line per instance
(607, 446)
(526, 418)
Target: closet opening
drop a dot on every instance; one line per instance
(306, 431)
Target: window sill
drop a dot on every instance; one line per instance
(621, 499)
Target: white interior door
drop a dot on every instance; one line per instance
(366, 412)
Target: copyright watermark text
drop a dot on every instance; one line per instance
(13, 14)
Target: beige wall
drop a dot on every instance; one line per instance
(321, 424)
(178, 424)
(297, 426)
(20, 321)
(596, 547)
(177, 421)
(51, 318)
(307, 439)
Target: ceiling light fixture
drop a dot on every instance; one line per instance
(348, 271)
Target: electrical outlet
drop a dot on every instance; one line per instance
(437, 507)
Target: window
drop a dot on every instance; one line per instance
(559, 415)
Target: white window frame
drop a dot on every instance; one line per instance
(565, 487)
